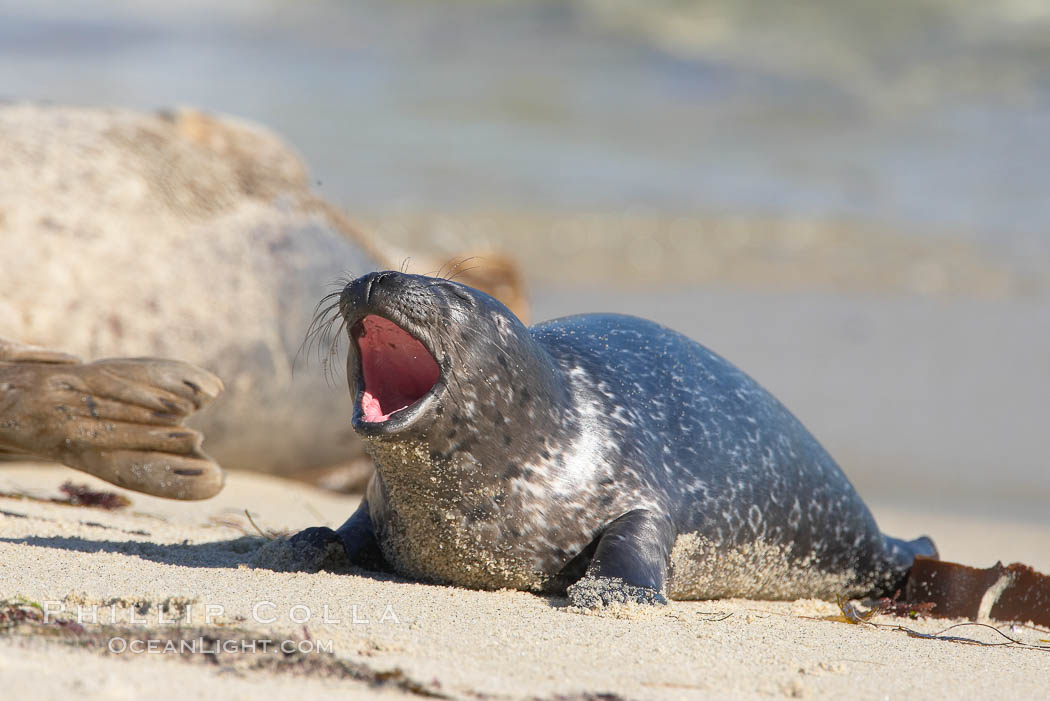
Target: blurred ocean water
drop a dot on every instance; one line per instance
(922, 359)
(928, 114)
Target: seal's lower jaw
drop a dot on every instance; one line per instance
(397, 376)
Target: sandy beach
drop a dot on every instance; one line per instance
(158, 570)
(847, 201)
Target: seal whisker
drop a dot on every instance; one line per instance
(464, 271)
(318, 327)
(438, 274)
(342, 281)
(459, 263)
(333, 348)
(319, 333)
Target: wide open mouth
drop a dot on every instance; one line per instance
(397, 369)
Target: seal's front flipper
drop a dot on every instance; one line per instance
(359, 541)
(321, 548)
(630, 563)
(312, 550)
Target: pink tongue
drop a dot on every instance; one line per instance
(397, 369)
(374, 412)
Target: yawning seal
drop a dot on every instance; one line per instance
(600, 454)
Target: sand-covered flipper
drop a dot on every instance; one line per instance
(12, 352)
(118, 419)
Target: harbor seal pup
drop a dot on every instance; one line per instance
(602, 455)
(118, 419)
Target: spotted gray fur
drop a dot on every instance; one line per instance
(598, 446)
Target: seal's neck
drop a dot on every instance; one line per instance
(504, 406)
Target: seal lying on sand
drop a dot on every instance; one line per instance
(186, 235)
(117, 419)
(600, 453)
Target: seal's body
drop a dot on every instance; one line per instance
(600, 451)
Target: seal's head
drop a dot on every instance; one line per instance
(456, 403)
(433, 359)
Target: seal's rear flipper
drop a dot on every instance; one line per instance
(14, 352)
(118, 419)
(923, 547)
(904, 552)
(900, 556)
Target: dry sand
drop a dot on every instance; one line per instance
(462, 644)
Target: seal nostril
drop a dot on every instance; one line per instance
(360, 291)
(381, 276)
(370, 280)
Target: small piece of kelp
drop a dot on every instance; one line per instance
(1012, 593)
(82, 495)
(850, 613)
(76, 495)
